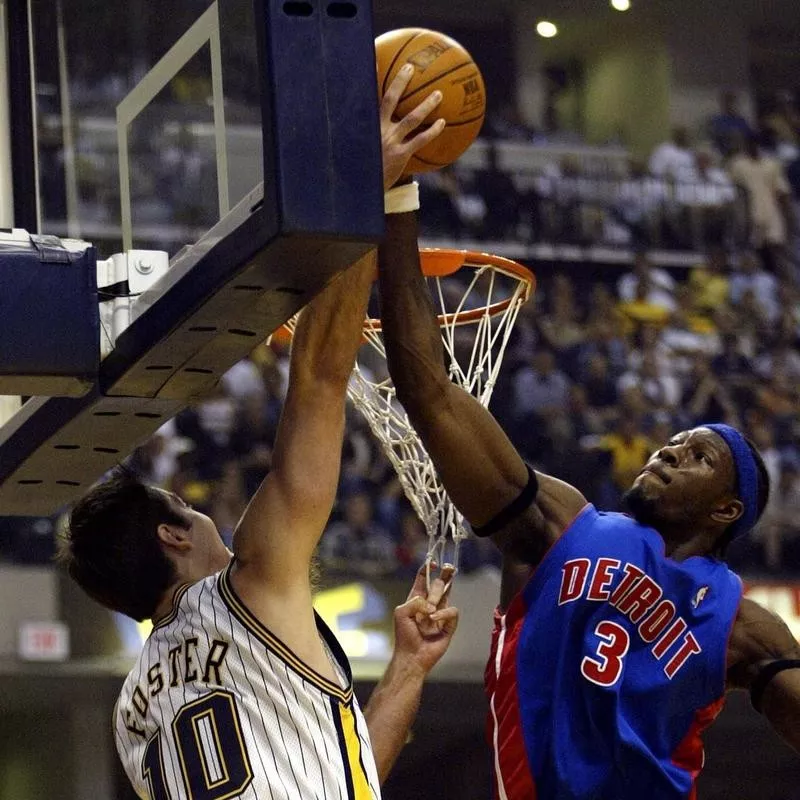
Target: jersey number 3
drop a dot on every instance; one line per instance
(614, 643)
(211, 751)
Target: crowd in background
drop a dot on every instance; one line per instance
(605, 362)
(731, 183)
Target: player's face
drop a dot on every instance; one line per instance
(684, 481)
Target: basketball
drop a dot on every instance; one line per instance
(439, 63)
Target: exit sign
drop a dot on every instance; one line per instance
(43, 641)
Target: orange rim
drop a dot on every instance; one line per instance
(441, 262)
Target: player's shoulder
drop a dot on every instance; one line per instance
(594, 521)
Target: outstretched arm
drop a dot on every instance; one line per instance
(759, 641)
(478, 465)
(279, 531)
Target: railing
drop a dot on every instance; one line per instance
(577, 217)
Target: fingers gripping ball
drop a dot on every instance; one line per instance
(439, 63)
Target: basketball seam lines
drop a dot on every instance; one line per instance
(394, 60)
(464, 121)
(426, 161)
(438, 78)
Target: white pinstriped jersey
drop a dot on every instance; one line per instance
(217, 707)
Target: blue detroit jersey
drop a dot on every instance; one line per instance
(608, 665)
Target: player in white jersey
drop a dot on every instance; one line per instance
(241, 690)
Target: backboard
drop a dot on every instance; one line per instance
(239, 136)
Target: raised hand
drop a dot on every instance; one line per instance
(425, 623)
(397, 142)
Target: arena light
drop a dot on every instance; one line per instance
(546, 29)
(620, 5)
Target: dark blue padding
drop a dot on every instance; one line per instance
(49, 319)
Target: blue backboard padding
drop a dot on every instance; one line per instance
(49, 319)
(329, 183)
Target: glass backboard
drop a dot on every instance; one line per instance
(148, 118)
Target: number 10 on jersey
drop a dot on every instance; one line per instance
(210, 747)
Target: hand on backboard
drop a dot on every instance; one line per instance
(397, 146)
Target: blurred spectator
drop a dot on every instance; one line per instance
(728, 125)
(709, 282)
(357, 544)
(156, 460)
(242, 379)
(562, 205)
(777, 397)
(782, 358)
(228, 501)
(770, 215)
(783, 125)
(507, 123)
(639, 205)
(641, 310)
(251, 441)
(704, 203)
(209, 424)
(751, 276)
(560, 328)
(789, 302)
(583, 418)
(602, 339)
(413, 547)
(733, 368)
(632, 403)
(659, 390)
(629, 449)
(779, 529)
(673, 159)
(604, 319)
(705, 398)
(598, 384)
(764, 439)
(581, 466)
(648, 341)
(500, 198)
(660, 286)
(540, 389)
(439, 192)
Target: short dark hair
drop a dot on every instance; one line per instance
(111, 546)
(763, 497)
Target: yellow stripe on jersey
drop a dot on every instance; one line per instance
(356, 778)
(260, 631)
(352, 746)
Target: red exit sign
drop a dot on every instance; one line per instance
(43, 641)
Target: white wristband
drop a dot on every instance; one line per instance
(401, 199)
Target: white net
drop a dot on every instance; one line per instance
(478, 299)
(478, 307)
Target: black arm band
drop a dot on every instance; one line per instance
(765, 675)
(513, 509)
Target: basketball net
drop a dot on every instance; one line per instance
(477, 311)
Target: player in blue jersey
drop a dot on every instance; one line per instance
(617, 636)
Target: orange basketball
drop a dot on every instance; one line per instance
(439, 63)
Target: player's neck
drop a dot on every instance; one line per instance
(679, 550)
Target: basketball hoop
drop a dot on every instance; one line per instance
(478, 296)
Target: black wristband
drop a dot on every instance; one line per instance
(766, 674)
(513, 509)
